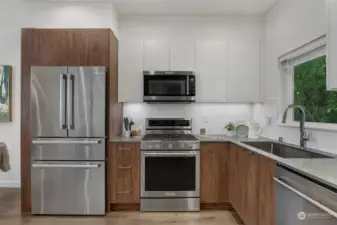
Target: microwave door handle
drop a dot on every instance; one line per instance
(63, 101)
(188, 85)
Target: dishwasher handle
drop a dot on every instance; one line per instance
(304, 196)
(69, 166)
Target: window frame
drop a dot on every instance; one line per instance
(287, 63)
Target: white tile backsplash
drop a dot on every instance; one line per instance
(212, 116)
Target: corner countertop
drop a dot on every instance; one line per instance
(121, 139)
(323, 170)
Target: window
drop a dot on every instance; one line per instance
(310, 92)
(304, 83)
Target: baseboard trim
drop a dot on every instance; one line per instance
(10, 184)
(237, 218)
(216, 206)
(124, 207)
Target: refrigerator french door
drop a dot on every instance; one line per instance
(68, 140)
(68, 101)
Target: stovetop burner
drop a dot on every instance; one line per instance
(169, 137)
(165, 134)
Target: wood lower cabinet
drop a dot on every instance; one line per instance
(266, 192)
(214, 173)
(251, 186)
(239, 167)
(124, 173)
(251, 189)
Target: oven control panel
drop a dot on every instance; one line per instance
(170, 145)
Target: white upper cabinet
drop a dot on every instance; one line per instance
(243, 70)
(182, 52)
(130, 75)
(332, 45)
(211, 69)
(156, 53)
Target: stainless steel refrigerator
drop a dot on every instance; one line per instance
(68, 155)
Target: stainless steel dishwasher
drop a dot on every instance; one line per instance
(301, 200)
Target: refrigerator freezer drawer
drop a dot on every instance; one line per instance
(55, 149)
(68, 188)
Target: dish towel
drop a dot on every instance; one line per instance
(4, 158)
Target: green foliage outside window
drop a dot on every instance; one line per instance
(310, 92)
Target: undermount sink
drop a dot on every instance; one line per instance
(284, 150)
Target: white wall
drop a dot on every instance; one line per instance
(16, 14)
(211, 116)
(289, 25)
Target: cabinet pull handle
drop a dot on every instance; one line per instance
(124, 167)
(123, 192)
(124, 149)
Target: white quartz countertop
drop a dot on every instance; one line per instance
(119, 139)
(323, 170)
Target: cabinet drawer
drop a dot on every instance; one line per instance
(124, 173)
(126, 185)
(124, 153)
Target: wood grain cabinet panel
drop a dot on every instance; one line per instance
(266, 192)
(234, 181)
(252, 191)
(238, 171)
(89, 47)
(124, 172)
(214, 173)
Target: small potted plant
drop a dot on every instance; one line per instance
(127, 126)
(230, 129)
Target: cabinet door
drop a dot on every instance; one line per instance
(130, 76)
(182, 53)
(266, 192)
(243, 70)
(234, 178)
(67, 47)
(124, 181)
(243, 165)
(332, 45)
(156, 53)
(214, 174)
(90, 47)
(211, 68)
(251, 190)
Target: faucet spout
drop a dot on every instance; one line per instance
(303, 136)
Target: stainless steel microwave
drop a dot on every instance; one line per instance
(169, 86)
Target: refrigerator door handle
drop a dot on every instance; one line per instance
(63, 102)
(71, 102)
(60, 141)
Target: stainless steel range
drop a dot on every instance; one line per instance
(170, 166)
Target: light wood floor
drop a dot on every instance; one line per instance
(10, 215)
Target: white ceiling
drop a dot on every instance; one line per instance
(186, 7)
(193, 7)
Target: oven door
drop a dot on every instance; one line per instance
(167, 88)
(170, 174)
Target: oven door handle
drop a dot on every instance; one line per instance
(171, 154)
